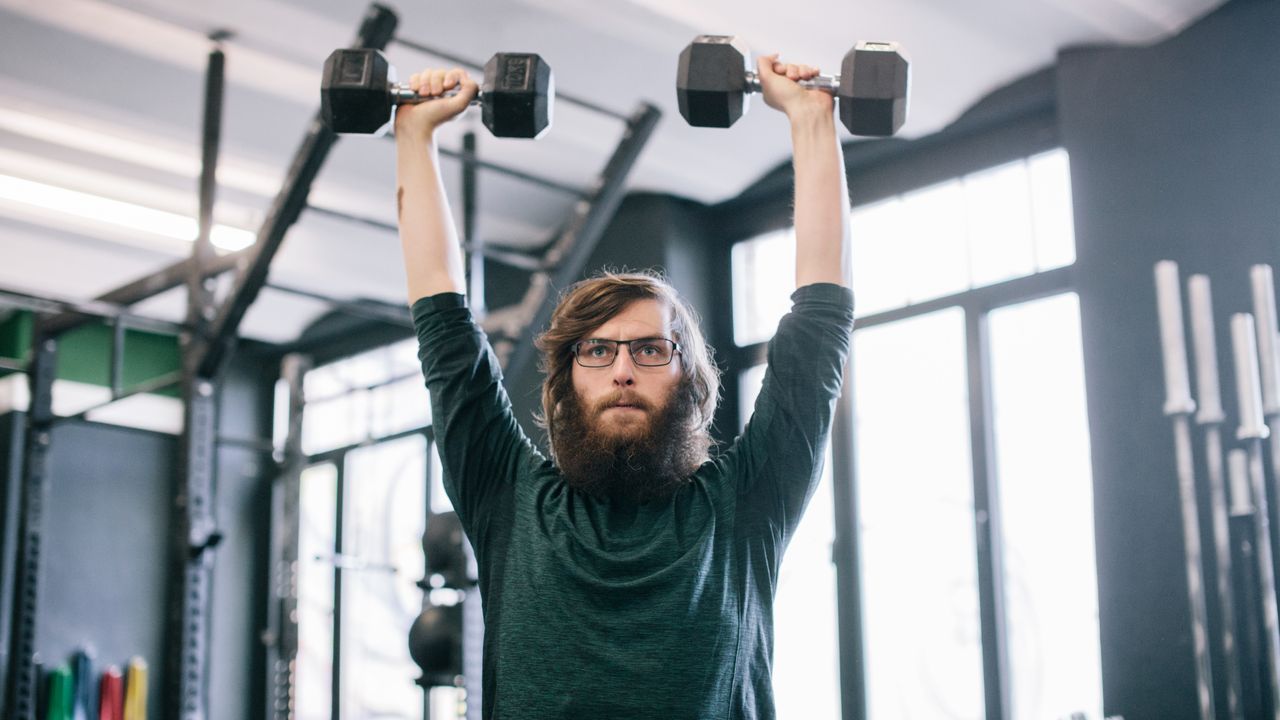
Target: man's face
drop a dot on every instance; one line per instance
(623, 399)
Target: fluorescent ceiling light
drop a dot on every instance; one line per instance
(119, 213)
(126, 145)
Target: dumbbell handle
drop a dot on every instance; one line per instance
(405, 95)
(825, 83)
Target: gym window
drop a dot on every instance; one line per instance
(960, 276)
(372, 477)
(990, 226)
(370, 395)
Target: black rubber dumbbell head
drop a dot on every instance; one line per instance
(874, 80)
(711, 81)
(519, 94)
(353, 92)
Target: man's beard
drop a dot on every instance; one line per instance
(636, 465)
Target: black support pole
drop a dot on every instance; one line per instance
(118, 337)
(282, 614)
(995, 657)
(194, 538)
(195, 531)
(570, 249)
(199, 292)
(22, 687)
(335, 672)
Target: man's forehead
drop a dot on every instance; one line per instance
(639, 318)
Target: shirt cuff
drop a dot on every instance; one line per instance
(823, 293)
(430, 305)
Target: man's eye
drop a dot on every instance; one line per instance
(598, 351)
(650, 350)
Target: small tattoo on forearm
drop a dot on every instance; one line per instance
(400, 203)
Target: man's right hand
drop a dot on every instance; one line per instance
(420, 120)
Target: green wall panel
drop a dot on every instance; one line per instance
(84, 354)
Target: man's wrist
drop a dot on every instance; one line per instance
(416, 139)
(811, 118)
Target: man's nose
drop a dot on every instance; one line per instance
(623, 369)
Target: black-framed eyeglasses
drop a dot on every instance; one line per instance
(645, 352)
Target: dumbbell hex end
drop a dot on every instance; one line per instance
(353, 91)
(875, 79)
(711, 81)
(520, 90)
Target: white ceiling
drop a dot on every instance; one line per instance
(105, 98)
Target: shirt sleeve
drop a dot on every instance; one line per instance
(481, 445)
(778, 458)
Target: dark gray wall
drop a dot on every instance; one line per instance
(105, 558)
(1173, 155)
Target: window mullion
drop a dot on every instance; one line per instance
(991, 598)
(845, 555)
(339, 531)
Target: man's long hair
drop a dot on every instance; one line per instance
(591, 303)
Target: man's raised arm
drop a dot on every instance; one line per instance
(822, 196)
(432, 258)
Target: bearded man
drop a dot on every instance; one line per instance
(631, 576)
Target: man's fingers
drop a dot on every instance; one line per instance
(457, 77)
(433, 83)
(793, 71)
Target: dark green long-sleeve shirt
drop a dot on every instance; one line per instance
(596, 609)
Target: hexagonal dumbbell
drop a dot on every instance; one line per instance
(358, 92)
(714, 83)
